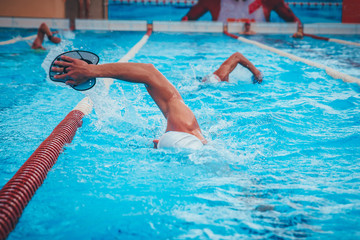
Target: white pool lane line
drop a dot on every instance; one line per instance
(18, 39)
(331, 39)
(330, 71)
(344, 42)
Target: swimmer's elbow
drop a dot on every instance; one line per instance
(152, 74)
(238, 56)
(149, 67)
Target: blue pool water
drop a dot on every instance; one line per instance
(281, 163)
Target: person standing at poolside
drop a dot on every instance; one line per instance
(182, 131)
(258, 10)
(223, 72)
(42, 31)
(284, 11)
(222, 10)
(81, 8)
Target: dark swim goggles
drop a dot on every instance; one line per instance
(88, 57)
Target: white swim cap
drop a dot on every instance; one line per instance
(212, 78)
(174, 139)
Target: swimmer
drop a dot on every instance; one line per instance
(300, 32)
(247, 29)
(182, 129)
(42, 31)
(222, 73)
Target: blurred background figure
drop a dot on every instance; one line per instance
(82, 10)
(258, 10)
(42, 31)
(284, 11)
(247, 29)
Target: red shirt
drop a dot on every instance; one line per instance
(213, 6)
(202, 7)
(280, 7)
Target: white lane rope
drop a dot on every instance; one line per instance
(344, 42)
(85, 106)
(18, 39)
(330, 71)
(131, 54)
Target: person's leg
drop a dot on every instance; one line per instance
(80, 8)
(87, 8)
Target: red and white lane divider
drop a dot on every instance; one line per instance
(17, 192)
(18, 39)
(332, 39)
(330, 71)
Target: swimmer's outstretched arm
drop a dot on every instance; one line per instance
(179, 116)
(230, 64)
(159, 88)
(79, 72)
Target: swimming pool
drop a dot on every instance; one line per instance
(281, 160)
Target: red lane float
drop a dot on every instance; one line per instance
(149, 28)
(316, 37)
(332, 40)
(16, 194)
(230, 34)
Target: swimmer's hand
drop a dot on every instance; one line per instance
(257, 77)
(185, 18)
(299, 33)
(75, 71)
(155, 141)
